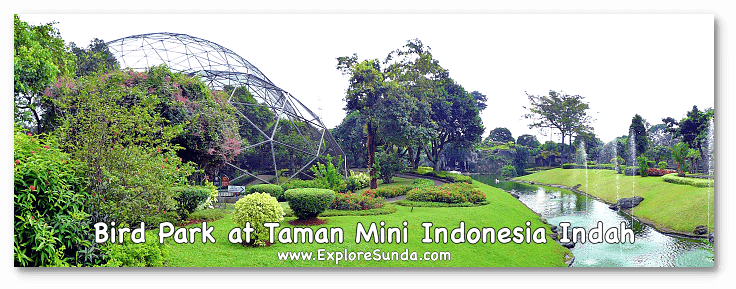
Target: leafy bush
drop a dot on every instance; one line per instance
(662, 165)
(207, 215)
(422, 183)
(630, 171)
(659, 172)
(258, 208)
(50, 223)
(619, 159)
(349, 201)
(643, 165)
(275, 191)
(358, 181)
(387, 165)
(308, 203)
(448, 193)
(147, 254)
(695, 182)
(508, 171)
(299, 184)
(189, 198)
(651, 164)
(569, 166)
(212, 198)
(328, 177)
(390, 192)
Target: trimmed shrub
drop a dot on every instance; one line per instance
(569, 166)
(695, 182)
(631, 171)
(422, 183)
(299, 184)
(258, 208)
(508, 171)
(423, 170)
(348, 201)
(148, 254)
(275, 191)
(307, 203)
(189, 198)
(390, 192)
(448, 193)
(662, 165)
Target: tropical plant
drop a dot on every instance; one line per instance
(308, 203)
(257, 209)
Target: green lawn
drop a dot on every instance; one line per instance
(503, 211)
(669, 206)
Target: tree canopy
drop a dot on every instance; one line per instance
(500, 134)
(559, 111)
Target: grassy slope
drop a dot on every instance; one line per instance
(504, 211)
(669, 206)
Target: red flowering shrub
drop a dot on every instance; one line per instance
(658, 172)
(349, 201)
(390, 192)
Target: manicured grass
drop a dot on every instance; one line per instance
(669, 206)
(503, 211)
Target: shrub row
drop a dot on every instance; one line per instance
(390, 192)
(448, 193)
(350, 201)
(358, 181)
(695, 182)
(451, 177)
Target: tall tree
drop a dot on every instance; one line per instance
(96, 58)
(368, 88)
(639, 131)
(480, 100)
(563, 112)
(455, 112)
(693, 129)
(528, 140)
(500, 134)
(39, 59)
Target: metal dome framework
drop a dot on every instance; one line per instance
(219, 68)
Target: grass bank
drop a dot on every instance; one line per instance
(503, 211)
(668, 207)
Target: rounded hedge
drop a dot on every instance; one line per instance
(275, 191)
(258, 208)
(308, 203)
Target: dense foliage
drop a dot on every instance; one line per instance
(275, 191)
(257, 208)
(188, 198)
(349, 201)
(309, 203)
(449, 193)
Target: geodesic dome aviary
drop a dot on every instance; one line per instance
(294, 136)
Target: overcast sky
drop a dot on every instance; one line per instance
(654, 65)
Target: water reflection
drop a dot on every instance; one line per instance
(650, 249)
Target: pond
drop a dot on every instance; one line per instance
(650, 249)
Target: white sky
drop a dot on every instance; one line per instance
(654, 65)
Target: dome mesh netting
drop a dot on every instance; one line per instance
(294, 138)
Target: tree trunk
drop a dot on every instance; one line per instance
(371, 144)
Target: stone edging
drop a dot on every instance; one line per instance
(663, 230)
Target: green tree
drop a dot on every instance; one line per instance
(500, 134)
(40, 58)
(563, 112)
(528, 140)
(639, 131)
(679, 154)
(480, 100)
(456, 115)
(351, 138)
(693, 129)
(368, 87)
(96, 58)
